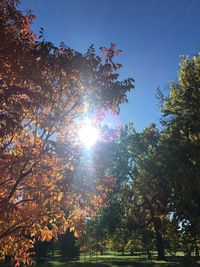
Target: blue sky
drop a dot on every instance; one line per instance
(152, 34)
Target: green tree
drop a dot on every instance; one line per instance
(68, 245)
(181, 140)
(139, 201)
(150, 194)
(158, 174)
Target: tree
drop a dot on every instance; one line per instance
(150, 196)
(45, 91)
(139, 202)
(42, 249)
(68, 245)
(181, 116)
(156, 193)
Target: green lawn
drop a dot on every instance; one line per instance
(111, 259)
(116, 260)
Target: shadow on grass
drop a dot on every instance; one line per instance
(118, 264)
(110, 260)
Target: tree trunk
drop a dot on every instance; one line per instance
(196, 247)
(148, 253)
(146, 245)
(159, 239)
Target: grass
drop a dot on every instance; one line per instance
(110, 259)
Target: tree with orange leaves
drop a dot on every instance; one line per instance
(44, 92)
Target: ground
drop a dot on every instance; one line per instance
(116, 260)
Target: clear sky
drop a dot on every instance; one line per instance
(152, 34)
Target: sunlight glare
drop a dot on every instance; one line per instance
(88, 134)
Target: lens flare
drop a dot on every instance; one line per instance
(88, 134)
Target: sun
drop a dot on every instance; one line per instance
(88, 134)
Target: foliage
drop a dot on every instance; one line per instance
(45, 91)
(149, 182)
(157, 174)
(181, 113)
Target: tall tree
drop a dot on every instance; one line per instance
(45, 91)
(140, 199)
(150, 195)
(157, 173)
(181, 139)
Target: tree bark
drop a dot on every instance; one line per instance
(196, 247)
(159, 239)
(148, 253)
